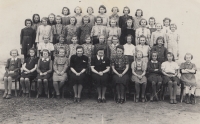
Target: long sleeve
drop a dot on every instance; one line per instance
(33, 36)
(19, 64)
(92, 31)
(21, 37)
(66, 31)
(120, 21)
(51, 35)
(7, 65)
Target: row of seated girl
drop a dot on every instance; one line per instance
(119, 26)
(158, 74)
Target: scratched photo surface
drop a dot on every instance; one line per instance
(184, 13)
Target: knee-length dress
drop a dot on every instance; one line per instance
(30, 64)
(78, 63)
(60, 64)
(139, 67)
(100, 64)
(27, 39)
(119, 64)
(69, 31)
(188, 78)
(13, 65)
(44, 66)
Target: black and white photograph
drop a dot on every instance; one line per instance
(99, 62)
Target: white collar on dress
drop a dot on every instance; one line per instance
(47, 59)
(14, 58)
(154, 61)
(99, 57)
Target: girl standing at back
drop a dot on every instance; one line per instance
(173, 41)
(98, 30)
(129, 30)
(27, 38)
(123, 19)
(78, 16)
(51, 19)
(113, 30)
(42, 30)
(151, 26)
(36, 21)
(115, 15)
(144, 48)
(57, 29)
(137, 18)
(90, 10)
(142, 31)
(84, 30)
(156, 34)
(112, 47)
(102, 14)
(66, 17)
(29, 72)
(70, 30)
(166, 25)
(13, 66)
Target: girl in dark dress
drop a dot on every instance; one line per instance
(13, 66)
(120, 66)
(78, 66)
(154, 77)
(27, 37)
(128, 30)
(44, 70)
(36, 21)
(124, 18)
(100, 66)
(29, 72)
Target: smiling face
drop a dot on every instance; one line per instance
(158, 27)
(36, 18)
(32, 53)
(28, 23)
(100, 53)
(79, 52)
(142, 40)
(88, 40)
(58, 20)
(173, 28)
(98, 21)
(166, 23)
(160, 42)
(85, 20)
(115, 40)
(143, 23)
(61, 52)
(72, 21)
(139, 55)
(14, 53)
(102, 10)
(74, 40)
(65, 11)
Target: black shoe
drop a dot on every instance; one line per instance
(8, 96)
(171, 101)
(143, 99)
(137, 100)
(118, 101)
(122, 101)
(104, 100)
(99, 100)
(57, 96)
(78, 100)
(192, 99)
(38, 95)
(4, 95)
(75, 99)
(175, 102)
(23, 94)
(27, 95)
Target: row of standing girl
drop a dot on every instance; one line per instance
(81, 26)
(120, 66)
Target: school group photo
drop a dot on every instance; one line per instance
(127, 57)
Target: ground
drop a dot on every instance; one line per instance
(64, 111)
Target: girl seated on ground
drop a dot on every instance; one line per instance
(188, 79)
(13, 66)
(29, 72)
(44, 70)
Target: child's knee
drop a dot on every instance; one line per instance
(5, 78)
(26, 79)
(159, 83)
(153, 83)
(10, 78)
(170, 83)
(21, 79)
(39, 80)
(45, 81)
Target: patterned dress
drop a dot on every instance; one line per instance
(112, 50)
(58, 46)
(72, 49)
(88, 51)
(69, 31)
(84, 30)
(57, 30)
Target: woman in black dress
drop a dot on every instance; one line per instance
(78, 66)
(29, 72)
(100, 66)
